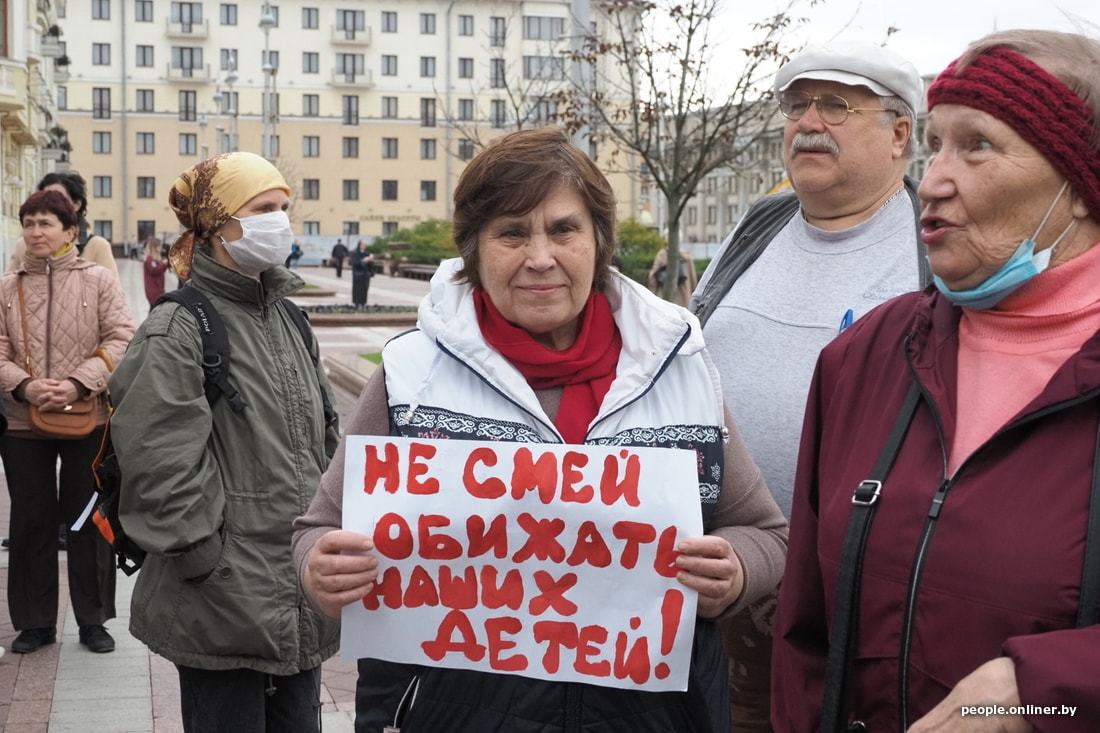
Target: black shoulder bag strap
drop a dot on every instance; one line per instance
(301, 322)
(1088, 612)
(842, 638)
(215, 345)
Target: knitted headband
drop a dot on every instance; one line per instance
(1037, 105)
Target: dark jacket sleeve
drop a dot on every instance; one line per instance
(1059, 668)
(801, 633)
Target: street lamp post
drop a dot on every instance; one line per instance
(230, 80)
(267, 22)
(202, 136)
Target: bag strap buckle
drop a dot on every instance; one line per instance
(867, 492)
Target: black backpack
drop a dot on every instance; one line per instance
(216, 384)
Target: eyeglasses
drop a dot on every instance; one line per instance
(833, 109)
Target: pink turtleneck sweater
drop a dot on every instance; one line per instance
(1008, 354)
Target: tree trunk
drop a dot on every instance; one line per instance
(672, 269)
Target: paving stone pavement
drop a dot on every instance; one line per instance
(64, 687)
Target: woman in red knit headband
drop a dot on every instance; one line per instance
(944, 565)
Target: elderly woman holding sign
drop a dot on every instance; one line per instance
(978, 585)
(531, 337)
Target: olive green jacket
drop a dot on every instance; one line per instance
(210, 494)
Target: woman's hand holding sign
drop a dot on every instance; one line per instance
(710, 566)
(338, 570)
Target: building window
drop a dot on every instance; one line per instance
(146, 143)
(427, 111)
(427, 67)
(311, 62)
(496, 73)
(543, 110)
(143, 56)
(389, 190)
(350, 106)
(101, 54)
(389, 148)
(465, 68)
(351, 65)
(389, 228)
(349, 147)
(62, 97)
(271, 57)
(498, 31)
(427, 24)
(311, 19)
(465, 149)
(146, 228)
(389, 108)
(101, 9)
(498, 113)
(427, 148)
(465, 110)
(188, 106)
(274, 14)
(389, 21)
(228, 104)
(550, 68)
(188, 15)
(389, 65)
(228, 59)
(146, 187)
(228, 13)
(351, 22)
(712, 215)
(427, 190)
(189, 143)
(311, 228)
(101, 103)
(351, 189)
(543, 28)
(311, 105)
(465, 25)
(101, 142)
(311, 189)
(693, 215)
(104, 228)
(351, 229)
(101, 187)
(144, 100)
(143, 11)
(187, 59)
(311, 146)
(275, 146)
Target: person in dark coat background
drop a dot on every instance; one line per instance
(362, 270)
(339, 254)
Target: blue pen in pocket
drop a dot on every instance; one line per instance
(846, 321)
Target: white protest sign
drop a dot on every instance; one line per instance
(549, 561)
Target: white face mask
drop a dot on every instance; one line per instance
(265, 242)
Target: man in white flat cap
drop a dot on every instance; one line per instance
(800, 268)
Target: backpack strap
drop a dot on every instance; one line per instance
(1088, 612)
(215, 345)
(301, 321)
(842, 638)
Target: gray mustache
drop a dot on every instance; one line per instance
(815, 141)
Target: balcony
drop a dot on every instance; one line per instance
(13, 79)
(350, 37)
(188, 75)
(61, 74)
(200, 29)
(362, 79)
(50, 48)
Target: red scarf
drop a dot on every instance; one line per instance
(586, 369)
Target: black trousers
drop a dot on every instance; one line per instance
(338, 263)
(247, 701)
(39, 502)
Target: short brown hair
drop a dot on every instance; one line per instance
(49, 202)
(513, 175)
(1071, 57)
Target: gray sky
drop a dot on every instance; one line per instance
(931, 32)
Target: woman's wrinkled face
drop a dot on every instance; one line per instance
(985, 190)
(538, 267)
(44, 234)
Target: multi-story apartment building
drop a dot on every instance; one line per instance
(374, 106)
(30, 141)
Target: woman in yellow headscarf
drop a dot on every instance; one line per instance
(218, 459)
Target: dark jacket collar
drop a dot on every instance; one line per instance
(209, 275)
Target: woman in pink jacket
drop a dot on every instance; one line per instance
(64, 322)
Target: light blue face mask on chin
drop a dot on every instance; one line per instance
(1023, 265)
